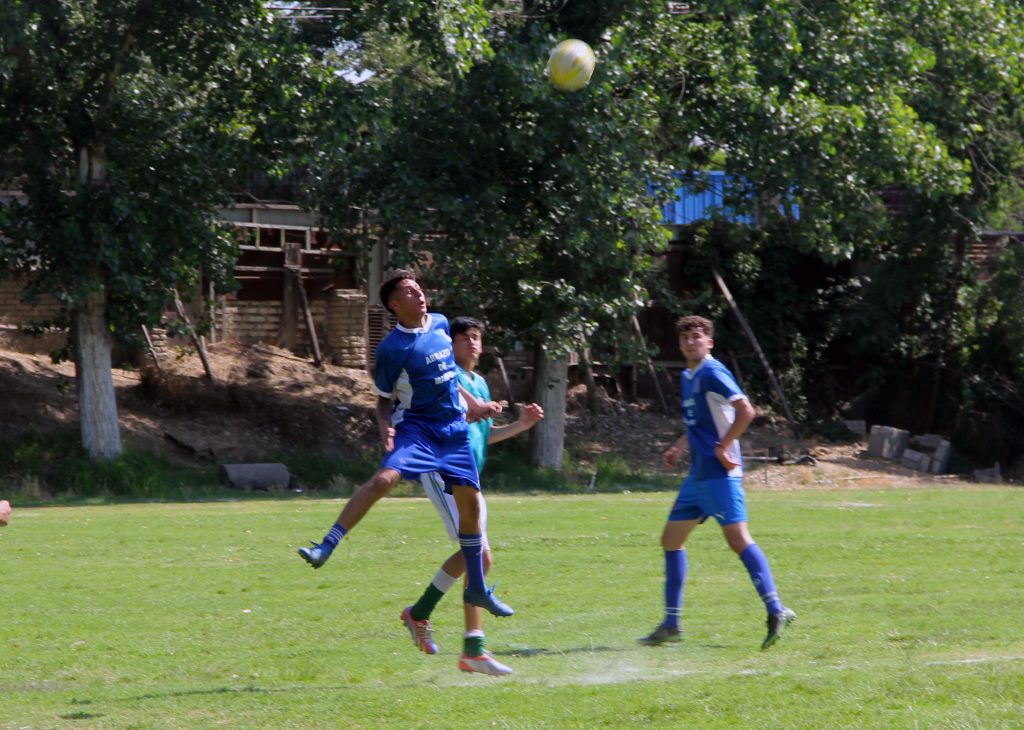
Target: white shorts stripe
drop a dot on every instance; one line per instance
(433, 486)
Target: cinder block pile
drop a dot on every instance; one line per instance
(928, 452)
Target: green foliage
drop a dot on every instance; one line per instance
(37, 468)
(202, 615)
(316, 470)
(124, 125)
(544, 201)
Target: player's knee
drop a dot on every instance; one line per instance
(737, 543)
(382, 482)
(670, 544)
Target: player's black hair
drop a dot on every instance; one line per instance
(391, 281)
(462, 324)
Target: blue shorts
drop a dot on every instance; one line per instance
(425, 447)
(722, 499)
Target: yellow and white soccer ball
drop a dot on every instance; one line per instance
(571, 65)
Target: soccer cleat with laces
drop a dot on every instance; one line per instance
(316, 555)
(661, 635)
(484, 664)
(486, 599)
(421, 631)
(777, 623)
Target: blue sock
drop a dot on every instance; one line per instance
(332, 538)
(761, 576)
(472, 551)
(675, 576)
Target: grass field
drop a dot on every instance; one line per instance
(201, 615)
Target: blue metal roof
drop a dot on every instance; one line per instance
(702, 195)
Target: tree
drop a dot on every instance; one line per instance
(894, 129)
(124, 123)
(544, 199)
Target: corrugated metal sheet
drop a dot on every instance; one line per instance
(703, 195)
(700, 196)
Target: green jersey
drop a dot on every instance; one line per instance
(480, 430)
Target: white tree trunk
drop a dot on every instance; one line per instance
(549, 390)
(97, 404)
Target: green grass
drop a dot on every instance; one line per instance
(200, 615)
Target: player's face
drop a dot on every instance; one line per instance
(695, 344)
(467, 346)
(408, 300)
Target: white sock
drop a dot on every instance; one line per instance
(443, 582)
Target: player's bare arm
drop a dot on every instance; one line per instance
(529, 415)
(387, 433)
(670, 457)
(479, 409)
(745, 414)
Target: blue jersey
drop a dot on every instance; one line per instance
(479, 431)
(417, 367)
(708, 392)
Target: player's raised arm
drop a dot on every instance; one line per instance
(479, 409)
(529, 415)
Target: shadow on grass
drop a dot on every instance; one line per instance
(528, 653)
(234, 691)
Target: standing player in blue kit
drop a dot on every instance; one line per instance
(716, 413)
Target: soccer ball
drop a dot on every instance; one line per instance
(570, 65)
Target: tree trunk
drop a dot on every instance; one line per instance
(549, 388)
(90, 334)
(96, 402)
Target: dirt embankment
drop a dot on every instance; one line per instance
(265, 400)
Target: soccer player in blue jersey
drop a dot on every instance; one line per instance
(716, 413)
(424, 431)
(467, 338)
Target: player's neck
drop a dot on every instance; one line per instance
(468, 365)
(414, 321)
(694, 364)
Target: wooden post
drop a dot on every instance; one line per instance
(196, 339)
(512, 407)
(757, 347)
(152, 352)
(650, 368)
(289, 334)
(587, 372)
(308, 314)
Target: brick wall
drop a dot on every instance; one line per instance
(340, 320)
(15, 312)
(251, 322)
(346, 328)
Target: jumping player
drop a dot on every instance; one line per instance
(467, 338)
(716, 413)
(426, 431)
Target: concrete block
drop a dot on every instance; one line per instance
(912, 459)
(260, 477)
(926, 442)
(887, 442)
(860, 428)
(941, 458)
(989, 476)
